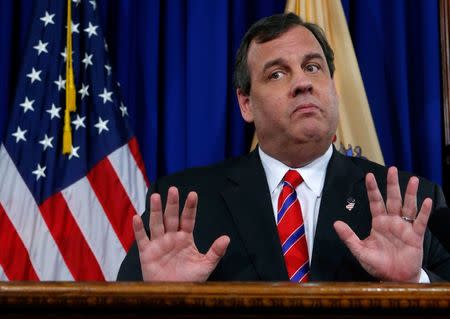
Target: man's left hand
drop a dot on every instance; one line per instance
(394, 249)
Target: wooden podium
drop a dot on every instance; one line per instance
(223, 300)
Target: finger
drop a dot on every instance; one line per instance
(376, 201)
(394, 197)
(217, 250)
(189, 212)
(171, 214)
(348, 236)
(420, 224)
(139, 232)
(156, 220)
(410, 202)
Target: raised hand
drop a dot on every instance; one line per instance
(171, 254)
(394, 249)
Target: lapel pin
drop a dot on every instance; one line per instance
(350, 204)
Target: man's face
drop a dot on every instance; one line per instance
(292, 98)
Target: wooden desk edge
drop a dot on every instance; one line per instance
(363, 296)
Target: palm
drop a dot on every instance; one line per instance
(171, 254)
(393, 250)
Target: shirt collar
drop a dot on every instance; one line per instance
(313, 173)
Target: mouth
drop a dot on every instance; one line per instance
(306, 108)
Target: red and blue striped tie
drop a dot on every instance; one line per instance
(291, 229)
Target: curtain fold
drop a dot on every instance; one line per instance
(174, 60)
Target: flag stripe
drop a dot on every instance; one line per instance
(107, 186)
(134, 148)
(71, 212)
(95, 226)
(3, 275)
(133, 181)
(70, 240)
(8, 264)
(26, 218)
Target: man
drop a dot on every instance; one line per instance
(294, 209)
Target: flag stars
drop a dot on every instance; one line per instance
(34, 75)
(48, 18)
(106, 96)
(91, 30)
(84, 90)
(108, 69)
(123, 109)
(74, 152)
(87, 60)
(79, 122)
(101, 125)
(60, 83)
(77, 2)
(27, 105)
(53, 111)
(74, 27)
(19, 134)
(46, 142)
(94, 4)
(64, 54)
(39, 171)
(41, 47)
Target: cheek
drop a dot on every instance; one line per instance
(333, 113)
(268, 108)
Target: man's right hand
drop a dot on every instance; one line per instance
(170, 254)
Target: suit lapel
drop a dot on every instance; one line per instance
(249, 203)
(344, 184)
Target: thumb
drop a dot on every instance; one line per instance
(348, 236)
(217, 250)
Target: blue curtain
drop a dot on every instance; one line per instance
(398, 50)
(174, 61)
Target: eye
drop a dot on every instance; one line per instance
(276, 75)
(312, 68)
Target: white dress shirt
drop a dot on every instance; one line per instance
(309, 193)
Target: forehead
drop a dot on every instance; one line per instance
(296, 42)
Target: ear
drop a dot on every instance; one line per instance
(245, 105)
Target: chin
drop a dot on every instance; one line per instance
(313, 133)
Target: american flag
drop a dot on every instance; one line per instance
(67, 217)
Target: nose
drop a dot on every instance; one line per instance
(301, 84)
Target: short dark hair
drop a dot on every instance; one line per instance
(270, 28)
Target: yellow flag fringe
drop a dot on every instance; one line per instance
(70, 86)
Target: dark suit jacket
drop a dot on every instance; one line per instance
(234, 200)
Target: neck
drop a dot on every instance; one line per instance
(297, 155)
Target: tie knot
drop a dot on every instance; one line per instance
(293, 178)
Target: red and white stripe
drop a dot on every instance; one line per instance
(80, 233)
(3, 275)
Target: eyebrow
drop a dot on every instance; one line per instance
(271, 63)
(315, 55)
(282, 61)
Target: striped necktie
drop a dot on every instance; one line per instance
(291, 229)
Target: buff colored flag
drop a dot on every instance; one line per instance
(356, 135)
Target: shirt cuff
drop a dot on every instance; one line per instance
(424, 279)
